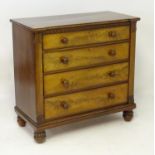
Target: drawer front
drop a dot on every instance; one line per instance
(61, 40)
(84, 57)
(60, 106)
(85, 78)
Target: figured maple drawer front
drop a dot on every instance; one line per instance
(85, 57)
(85, 78)
(68, 39)
(85, 101)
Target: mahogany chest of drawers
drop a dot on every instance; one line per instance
(73, 67)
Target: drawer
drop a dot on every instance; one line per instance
(55, 61)
(85, 78)
(68, 39)
(85, 101)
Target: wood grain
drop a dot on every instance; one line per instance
(39, 77)
(62, 21)
(84, 37)
(64, 72)
(75, 118)
(84, 57)
(85, 101)
(24, 70)
(132, 59)
(84, 78)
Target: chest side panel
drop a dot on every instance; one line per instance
(24, 70)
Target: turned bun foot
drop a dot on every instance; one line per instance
(40, 136)
(21, 122)
(128, 115)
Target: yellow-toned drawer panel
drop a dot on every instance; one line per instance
(75, 103)
(85, 78)
(69, 39)
(85, 57)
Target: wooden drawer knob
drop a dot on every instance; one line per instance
(112, 74)
(111, 95)
(64, 60)
(64, 40)
(65, 83)
(112, 52)
(64, 105)
(112, 34)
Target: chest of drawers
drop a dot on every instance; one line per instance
(73, 67)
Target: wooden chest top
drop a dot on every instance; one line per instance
(44, 23)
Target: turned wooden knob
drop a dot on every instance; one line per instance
(112, 52)
(64, 105)
(64, 60)
(112, 74)
(64, 40)
(65, 83)
(111, 95)
(112, 34)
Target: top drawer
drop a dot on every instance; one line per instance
(68, 39)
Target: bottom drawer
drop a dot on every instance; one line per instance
(65, 105)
